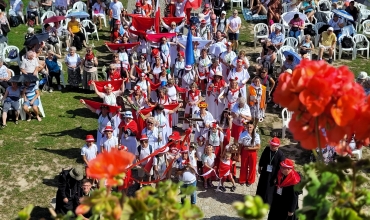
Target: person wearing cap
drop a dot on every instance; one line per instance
(361, 77)
(214, 89)
(249, 143)
(128, 130)
(337, 24)
(277, 37)
(204, 31)
(73, 27)
(69, 190)
(285, 197)
(268, 167)
(233, 25)
(226, 59)
(352, 10)
(179, 64)
(221, 22)
(207, 13)
(188, 76)
(154, 135)
(108, 141)
(206, 116)
(173, 27)
(232, 93)
(115, 9)
(215, 139)
(327, 42)
(89, 151)
(240, 112)
(243, 56)
(204, 63)
(143, 151)
(192, 99)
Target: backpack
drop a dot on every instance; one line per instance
(139, 149)
(347, 42)
(361, 44)
(14, 22)
(262, 32)
(309, 30)
(13, 54)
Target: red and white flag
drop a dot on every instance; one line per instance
(157, 17)
(193, 4)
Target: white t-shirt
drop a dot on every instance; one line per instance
(215, 138)
(3, 72)
(111, 98)
(110, 143)
(209, 160)
(72, 60)
(143, 153)
(99, 8)
(234, 23)
(89, 152)
(240, 111)
(116, 9)
(160, 162)
(335, 25)
(192, 159)
(242, 76)
(200, 152)
(245, 139)
(103, 121)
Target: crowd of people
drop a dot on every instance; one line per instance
(222, 103)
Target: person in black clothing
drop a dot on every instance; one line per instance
(352, 10)
(69, 190)
(285, 198)
(268, 168)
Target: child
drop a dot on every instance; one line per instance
(108, 141)
(89, 151)
(208, 166)
(199, 154)
(160, 165)
(186, 173)
(192, 155)
(224, 172)
(142, 151)
(235, 157)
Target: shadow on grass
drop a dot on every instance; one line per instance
(77, 132)
(51, 182)
(81, 112)
(70, 153)
(40, 213)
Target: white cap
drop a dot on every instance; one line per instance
(330, 29)
(278, 27)
(223, 12)
(30, 30)
(362, 75)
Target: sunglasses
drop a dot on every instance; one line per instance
(111, 69)
(149, 123)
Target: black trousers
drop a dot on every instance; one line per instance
(51, 76)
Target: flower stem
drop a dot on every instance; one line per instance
(319, 156)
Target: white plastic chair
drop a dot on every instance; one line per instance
(291, 41)
(2, 46)
(273, 26)
(90, 24)
(5, 54)
(366, 27)
(257, 28)
(104, 18)
(46, 15)
(328, 4)
(318, 25)
(286, 116)
(364, 14)
(361, 38)
(62, 74)
(23, 113)
(341, 49)
(239, 3)
(79, 6)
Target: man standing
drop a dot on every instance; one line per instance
(115, 9)
(233, 25)
(69, 190)
(327, 42)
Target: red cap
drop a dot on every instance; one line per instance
(137, 87)
(108, 128)
(182, 53)
(121, 147)
(214, 124)
(89, 138)
(143, 137)
(155, 52)
(287, 163)
(203, 21)
(275, 141)
(175, 136)
(138, 4)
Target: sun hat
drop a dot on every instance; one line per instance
(330, 29)
(223, 12)
(108, 128)
(127, 114)
(175, 136)
(287, 163)
(188, 67)
(218, 73)
(77, 173)
(275, 141)
(362, 75)
(143, 137)
(89, 138)
(202, 104)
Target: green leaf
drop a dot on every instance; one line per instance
(25, 213)
(345, 214)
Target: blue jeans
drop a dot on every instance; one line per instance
(193, 196)
(294, 34)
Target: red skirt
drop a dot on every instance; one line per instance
(205, 170)
(236, 130)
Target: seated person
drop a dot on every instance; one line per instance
(337, 24)
(276, 37)
(327, 42)
(288, 63)
(296, 26)
(31, 95)
(30, 33)
(30, 64)
(45, 6)
(267, 61)
(99, 12)
(63, 34)
(5, 75)
(32, 10)
(11, 100)
(76, 34)
(52, 43)
(61, 7)
(308, 7)
(16, 8)
(352, 10)
(260, 8)
(306, 46)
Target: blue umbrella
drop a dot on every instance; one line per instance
(36, 39)
(296, 57)
(78, 14)
(343, 14)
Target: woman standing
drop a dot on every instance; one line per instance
(172, 96)
(214, 89)
(90, 70)
(127, 132)
(179, 64)
(214, 68)
(144, 84)
(215, 139)
(268, 82)
(249, 143)
(51, 62)
(268, 168)
(157, 68)
(143, 65)
(139, 99)
(152, 132)
(226, 59)
(207, 119)
(285, 199)
(5, 26)
(225, 124)
(99, 12)
(192, 100)
(73, 62)
(232, 93)
(203, 68)
(109, 97)
(11, 100)
(257, 100)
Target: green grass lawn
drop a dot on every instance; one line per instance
(33, 153)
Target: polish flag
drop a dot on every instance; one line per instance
(157, 17)
(193, 4)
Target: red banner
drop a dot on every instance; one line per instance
(114, 46)
(96, 105)
(169, 20)
(157, 37)
(116, 84)
(141, 23)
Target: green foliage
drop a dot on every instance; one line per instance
(333, 195)
(251, 208)
(25, 213)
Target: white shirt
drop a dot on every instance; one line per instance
(240, 111)
(111, 98)
(200, 152)
(103, 121)
(236, 59)
(116, 9)
(143, 153)
(234, 23)
(172, 93)
(209, 160)
(335, 25)
(242, 76)
(89, 152)
(99, 8)
(3, 72)
(215, 138)
(143, 86)
(208, 119)
(228, 57)
(108, 144)
(152, 136)
(72, 60)
(245, 139)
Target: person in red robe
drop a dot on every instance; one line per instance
(224, 172)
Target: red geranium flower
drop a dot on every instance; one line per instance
(109, 165)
